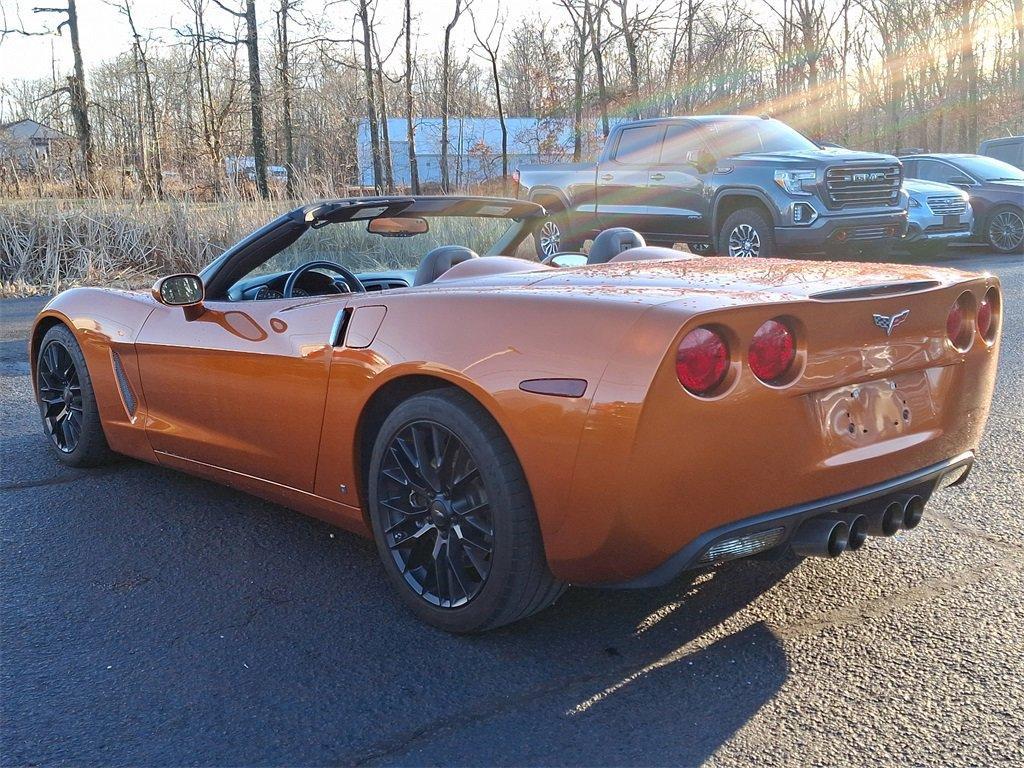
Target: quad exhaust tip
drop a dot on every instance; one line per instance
(887, 520)
(858, 525)
(913, 509)
(821, 537)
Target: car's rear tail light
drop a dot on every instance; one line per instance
(958, 327)
(772, 351)
(988, 311)
(702, 361)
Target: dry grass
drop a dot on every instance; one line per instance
(49, 245)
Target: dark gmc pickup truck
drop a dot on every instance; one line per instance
(742, 186)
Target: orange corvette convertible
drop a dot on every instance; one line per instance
(503, 428)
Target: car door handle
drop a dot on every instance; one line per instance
(606, 177)
(657, 176)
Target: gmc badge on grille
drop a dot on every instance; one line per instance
(875, 176)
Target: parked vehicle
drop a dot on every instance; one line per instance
(738, 186)
(1009, 149)
(492, 443)
(996, 190)
(939, 214)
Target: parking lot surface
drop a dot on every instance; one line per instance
(149, 618)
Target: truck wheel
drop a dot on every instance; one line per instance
(746, 234)
(1004, 230)
(552, 236)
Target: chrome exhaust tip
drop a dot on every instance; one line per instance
(858, 525)
(886, 520)
(821, 537)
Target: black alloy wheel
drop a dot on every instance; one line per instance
(67, 402)
(439, 526)
(60, 396)
(453, 517)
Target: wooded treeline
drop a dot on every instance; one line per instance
(291, 91)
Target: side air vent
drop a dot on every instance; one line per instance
(881, 289)
(127, 395)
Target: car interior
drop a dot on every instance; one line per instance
(356, 247)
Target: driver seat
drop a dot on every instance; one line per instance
(439, 261)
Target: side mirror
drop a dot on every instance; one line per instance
(185, 291)
(702, 160)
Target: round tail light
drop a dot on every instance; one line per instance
(957, 325)
(987, 311)
(772, 351)
(702, 360)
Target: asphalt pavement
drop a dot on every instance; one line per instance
(150, 618)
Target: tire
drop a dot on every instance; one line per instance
(476, 525)
(67, 402)
(746, 233)
(1004, 229)
(553, 236)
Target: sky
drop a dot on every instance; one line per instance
(104, 31)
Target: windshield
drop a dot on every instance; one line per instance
(349, 244)
(742, 137)
(989, 169)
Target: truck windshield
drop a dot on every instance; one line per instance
(743, 137)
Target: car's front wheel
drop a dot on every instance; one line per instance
(67, 402)
(747, 233)
(1004, 230)
(453, 518)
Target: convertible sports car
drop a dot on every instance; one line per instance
(502, 428)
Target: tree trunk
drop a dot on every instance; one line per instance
(371, 102)
(385, 152)
(446, 95)
(414, 171)
(80, 99)
(634, 64)
(602, 88)
(286, 97)
(259, 139)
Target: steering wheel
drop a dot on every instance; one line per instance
(350, 279)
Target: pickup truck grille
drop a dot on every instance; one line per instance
(942, 205)
(863, 185)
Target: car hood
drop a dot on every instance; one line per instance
(817, 156)
(720, 280)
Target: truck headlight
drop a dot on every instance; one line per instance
(793, 181)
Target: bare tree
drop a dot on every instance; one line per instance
(284, 69)
(490, 47)
(76, 87)
(460, 6)
(259, 138)
(414, 171)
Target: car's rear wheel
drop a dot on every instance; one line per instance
(554, 236)
(1005, 230)
(746, 233)
(453, 517)
(67, 402)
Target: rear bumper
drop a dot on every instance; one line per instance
(829, 230)
(923, 482)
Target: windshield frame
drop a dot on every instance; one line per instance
(249, 253)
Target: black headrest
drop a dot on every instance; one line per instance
(612, 242)
(439, 261)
